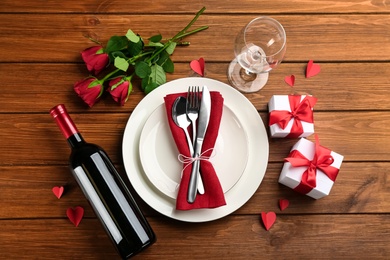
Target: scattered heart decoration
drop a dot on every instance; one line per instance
(268, 219)
(283, 204)
(75, 215)
(290, 80)
(58, 191)
(312, 69)
(198, 66)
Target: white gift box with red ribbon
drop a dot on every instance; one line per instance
(294, 119)
(308, 158)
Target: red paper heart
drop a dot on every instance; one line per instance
(283, 204)
(268, 219)
(290, 80)
(198, 66)
(75, 215)
(312, 69)
(58, 191)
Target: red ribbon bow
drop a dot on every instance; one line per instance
(300, 111)
(322, 160)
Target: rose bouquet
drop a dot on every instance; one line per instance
(125, 57)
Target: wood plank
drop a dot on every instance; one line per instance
(359, 188)
(344, 86)
(236, 237)
(41, 42)
(59, 38)
(181, 6)
(359, 136)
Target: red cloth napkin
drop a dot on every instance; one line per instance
(213, 196)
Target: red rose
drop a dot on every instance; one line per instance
(95, 59)
(89, 90)
(120, 88)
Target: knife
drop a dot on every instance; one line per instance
(203, 122)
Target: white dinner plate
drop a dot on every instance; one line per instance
(256, 145)
(159, 154)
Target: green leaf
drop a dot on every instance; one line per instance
(118, 54)
(132, 36)
(168, 66)
(94, 83)
(144, 83)
(142, 69)
(116, 43)
(129, 90)
(100, 51)
(121, 63)
(171, 48)
(117, 84)
(157, 74)
(156, 38)
(163, 58)
(135, 48)
(151, 86)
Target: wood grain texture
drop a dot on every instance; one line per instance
(345, 133)
(40, 43)
(360, 188)
(60, 38)
(335, 87)
(327, 235)
(182, 6)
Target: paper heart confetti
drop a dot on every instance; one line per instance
(290, 80)
(58, 191)
(268, 219)
(75, 215)
(198, 66)
(312, 69)
(283, 204)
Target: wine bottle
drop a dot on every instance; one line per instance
(105, 190)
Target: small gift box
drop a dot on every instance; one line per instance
(311, 169)
(291, 116)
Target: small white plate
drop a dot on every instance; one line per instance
(245, 187)
(159, 154)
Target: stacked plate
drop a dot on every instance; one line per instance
(150, 156)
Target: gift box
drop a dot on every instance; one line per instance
(311, 169)
(291, 116)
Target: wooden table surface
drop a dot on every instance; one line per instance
(40, 43)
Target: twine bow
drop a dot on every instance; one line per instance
(187, 160)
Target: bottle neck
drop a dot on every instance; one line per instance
(75, 140)
(66, 125)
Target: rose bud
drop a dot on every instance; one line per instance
(89, 90)
(120, 89)
(95, 59)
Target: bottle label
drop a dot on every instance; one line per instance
(120, 198)
(97, 204)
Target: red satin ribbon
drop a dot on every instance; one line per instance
(322, 160)
(300, 111)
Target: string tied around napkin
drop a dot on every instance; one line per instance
(188, 160)
(300, 111)
(213, 196)
(322, 160)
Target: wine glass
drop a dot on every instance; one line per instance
(259, 47)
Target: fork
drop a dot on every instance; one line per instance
(192, 109)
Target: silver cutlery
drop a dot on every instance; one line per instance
(192, 108)
(179, 116)
(203, 121)
(193, 105)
